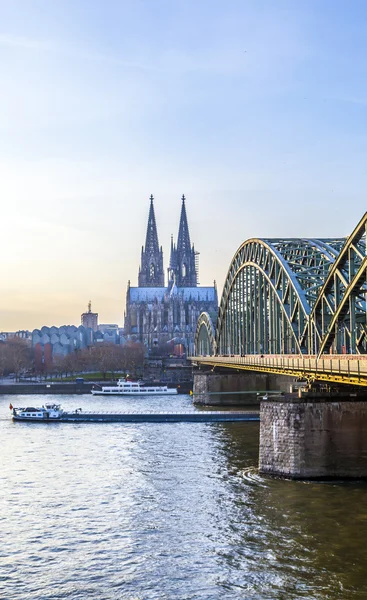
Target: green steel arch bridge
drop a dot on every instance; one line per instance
(293, 306)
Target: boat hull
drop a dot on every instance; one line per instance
(133, 388)
(38, 419)
(150, 417)
(169, 392)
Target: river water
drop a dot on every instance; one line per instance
(166, 511)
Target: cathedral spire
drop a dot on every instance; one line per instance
(185, 266)
(172, 257)
(172, 264)
(183, 241)
(151, 239)
(151, 272)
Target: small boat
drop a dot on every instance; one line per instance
(47, 412)
(133, 388)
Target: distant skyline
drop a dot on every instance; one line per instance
(256, 111)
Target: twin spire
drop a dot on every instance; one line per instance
(182, 268)
(151, 273)
(183, 241)
(151, 240)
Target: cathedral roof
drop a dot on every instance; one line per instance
(149, 294)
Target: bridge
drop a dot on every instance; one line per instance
(334, 369)
(295, 307)
(299, 304)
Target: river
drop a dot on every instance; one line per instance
(113, 511)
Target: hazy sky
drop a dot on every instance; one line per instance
(256, 110)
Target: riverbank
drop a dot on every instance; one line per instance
(46, 388)
(71, 387)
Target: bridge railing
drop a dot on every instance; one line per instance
(342, 365)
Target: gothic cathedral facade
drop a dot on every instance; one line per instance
(165, 316)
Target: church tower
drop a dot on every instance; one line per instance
(183, 260)
(151, 272)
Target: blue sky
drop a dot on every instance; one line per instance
(257, 111)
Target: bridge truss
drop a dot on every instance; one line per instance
(292, 296)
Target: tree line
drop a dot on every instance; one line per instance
(17, 357)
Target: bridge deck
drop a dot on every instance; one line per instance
(347, 369)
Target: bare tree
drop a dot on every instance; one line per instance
(133, 357)
(70, 364)
(2, 358)
(18, 356)
(104, 357)
(59, 364)
(107, 358)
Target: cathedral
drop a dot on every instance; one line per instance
(165, 316)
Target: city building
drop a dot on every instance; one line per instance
(165, 316)
(108, 327)
(24, 334)
(90, 319)
(109, 332)
(49, 342)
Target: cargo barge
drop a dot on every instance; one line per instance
(53, 413)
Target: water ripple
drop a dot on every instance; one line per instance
(251, 475)
(167, 512)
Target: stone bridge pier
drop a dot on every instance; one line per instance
(227, 387)
(314, 439)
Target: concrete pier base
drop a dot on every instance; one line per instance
(313, 440)
(214, 388)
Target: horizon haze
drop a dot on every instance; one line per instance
(257, 112)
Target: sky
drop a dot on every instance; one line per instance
(255, 110)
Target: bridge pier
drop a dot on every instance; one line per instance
(313, 440)
(223, 388)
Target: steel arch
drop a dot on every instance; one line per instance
(205, 336)
(310, 261)
(339, 318)
(269, 292)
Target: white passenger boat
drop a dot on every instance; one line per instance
(49, 412)
(133, 388)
